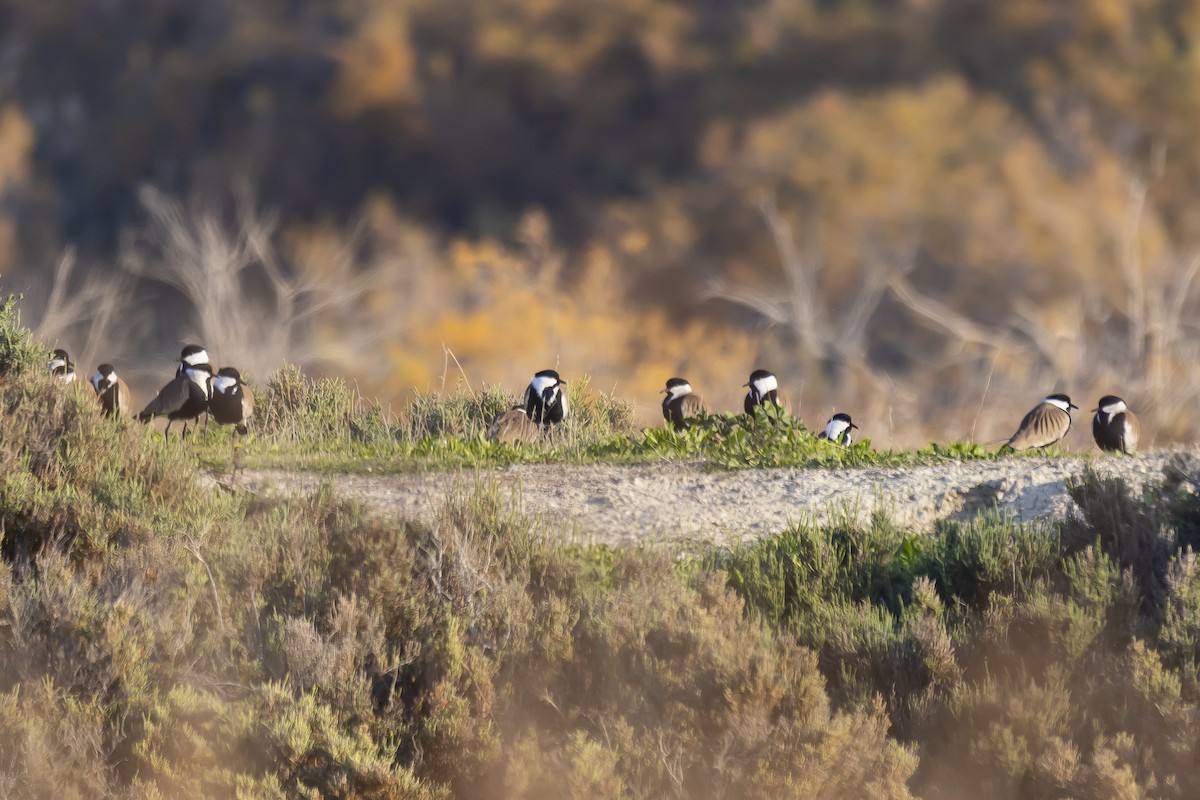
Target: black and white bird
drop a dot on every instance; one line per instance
(114, 395)
(763, 391)
(837, 430)
(62, 367)
(546, 398)
(1115, 428)
(680, 403)
(1048, 422)
(513, 427)
(231, 402)
(184, 398)
(192, 355)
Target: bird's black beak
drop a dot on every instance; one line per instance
(852, 425)
(1072, 405)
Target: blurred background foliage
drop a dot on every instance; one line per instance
(929, 213)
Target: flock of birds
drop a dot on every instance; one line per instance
(1114, 426)
(199, 389)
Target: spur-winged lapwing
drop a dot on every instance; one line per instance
(546, 398)
(837, 430)
(680, 403)
(62, 367)
(232, 402)
(1048, 422)
(113, 393)
(513, 427)
(184, 398)
(763, 391)
(192, 355)
(1115, 427)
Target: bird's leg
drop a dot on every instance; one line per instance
(236, 460)
(167, 432)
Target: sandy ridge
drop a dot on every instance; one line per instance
(672, 501)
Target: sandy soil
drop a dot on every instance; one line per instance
(672, 501)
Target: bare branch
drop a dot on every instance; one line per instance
(759, 302)
(959, 326)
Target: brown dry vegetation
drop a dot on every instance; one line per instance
(929, 214)
(162, 639)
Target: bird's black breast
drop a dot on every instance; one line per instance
(226, 407)
(1109, 434)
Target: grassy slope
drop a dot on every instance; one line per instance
(160, 640)
(322, 425)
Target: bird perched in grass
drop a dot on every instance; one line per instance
(763, 391)
(61, 366)
(680, 403)
(1045, 424)
(513, 427)
(837, 430)
(115, 398)
(1115, 428)
(184, 398)
(232, 402)
(546, 398)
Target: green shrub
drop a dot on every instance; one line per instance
(18, 350)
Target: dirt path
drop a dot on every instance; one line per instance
(625, 504)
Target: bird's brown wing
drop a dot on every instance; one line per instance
(1041, 427)
(513, 427)
(687, 406)
(123, 405)
(247, 403)
(170, 398)
(692, 405)
(1133, 432)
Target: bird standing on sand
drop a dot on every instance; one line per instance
(837, 430)
(1047, 423)
(62, 367)
(763, 391)
(184, 398)
(680, 403)
(545, 401)
(115, 398)
(1115, 428)
(231, 402)
(513, 427)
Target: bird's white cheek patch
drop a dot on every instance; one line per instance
(764, 385)
(196, 358)
(57, 363)
(541, 384)
(680, 391)
(223, 384)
